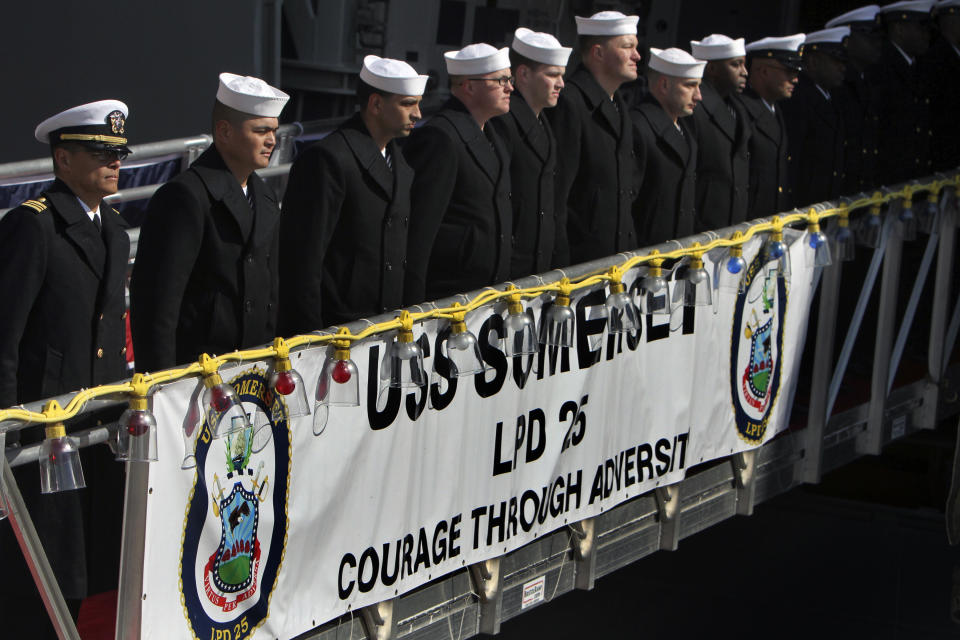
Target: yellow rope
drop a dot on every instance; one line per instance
(344, 338)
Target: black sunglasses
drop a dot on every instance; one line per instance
(108, 155)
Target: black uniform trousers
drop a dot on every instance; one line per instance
(723, 160)
(63, 329)
(664, 209)
(598, 170)
(461, 218)
(532, 148)
(815, 128)
(770, 189)
(343, 231)
(205, 277)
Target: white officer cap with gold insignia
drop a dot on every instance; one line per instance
(540, 47)
(392, 76)
(251, 95)
(99, 125)
(607, 23)
(785, 49)
(863, 14)
(717, 47)
(477, 59)
(830, 41)
(676, 62)
(907, 11)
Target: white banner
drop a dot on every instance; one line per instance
(270, 533)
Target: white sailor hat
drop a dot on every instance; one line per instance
(477, 59)
(947, 8)
(717, 47)
(251, 95)
(867, 14)
(607, 23)
(676, 62)
(540, 47)
(910, 10)
(392, 76)
(787, 49)
(831, 41)
(99, 125)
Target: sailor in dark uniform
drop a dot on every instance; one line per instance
(902, 107)
(855, 99)
(723, 133)
(815, 121)
(205, 278)
(774, 65)
(537, 62)
(598, 173)
(63, 328)
(664, 209)
(940, 75)
(346, 210)
(461, 221)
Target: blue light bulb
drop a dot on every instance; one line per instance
(816, 239)
(735, 264)
(777, 249)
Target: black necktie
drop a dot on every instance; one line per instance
(250, 197)
(96, 221)
(733, 112)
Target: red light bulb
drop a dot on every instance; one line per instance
(341, 372)
(219, 400)
(285, 383)
(138, 424)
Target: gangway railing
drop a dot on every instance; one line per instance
(482, 595)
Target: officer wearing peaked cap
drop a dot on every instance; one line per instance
(461, 217)
(723, 133)
(774, 64)
(346, 210)
(939, 71)
(598, 171)
(538, 63)
(815, 121)
(205, 278)
(664, 209)
(63, 328)
(856, 98)
(902, 108)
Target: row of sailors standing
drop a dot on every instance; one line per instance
(524, 169)
(527, 168)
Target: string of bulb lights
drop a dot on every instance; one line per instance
(338, 384)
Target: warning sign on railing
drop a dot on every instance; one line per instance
(291, 522)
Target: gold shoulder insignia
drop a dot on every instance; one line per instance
(38, 205)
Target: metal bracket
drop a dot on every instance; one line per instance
(822, 365)
(939, 346)
(745, 477)
(870, 442)
(35, 557)
(486, 581)
(582, 542)
(378, 620)
(668, 505)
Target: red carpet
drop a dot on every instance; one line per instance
(98, 616)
